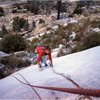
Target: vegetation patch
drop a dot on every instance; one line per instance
(12, 43)
(12, 64)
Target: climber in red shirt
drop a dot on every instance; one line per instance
(43, 53)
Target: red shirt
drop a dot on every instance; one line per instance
(41, 52)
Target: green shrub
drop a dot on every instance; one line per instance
(33, 24)
(49, 28)
(82, 26)
(16, 27)
(78, 10)
(1, 12)
(33, 6)
(41, 21)
(95, 23)
(14, 11)
(32, 45)
(20, 23)
(1, 74)
(12, 43)
(26, 25)
(91, 40)
(21, 54)
(13, 62)
(78, 37)
(79, 47)
(1, 35)
(4, 30)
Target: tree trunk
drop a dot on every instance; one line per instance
(59, 9)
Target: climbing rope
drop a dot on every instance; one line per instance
(72, 81)
(27, 83)
(63, 75)
(87, 92)
(81, 91)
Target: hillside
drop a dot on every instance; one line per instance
(9, 0)
(82, 67)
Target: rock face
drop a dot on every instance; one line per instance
(79, 66)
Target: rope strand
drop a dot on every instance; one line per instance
(87, 92)
(69, 79)
(63, 75)
(27, 84)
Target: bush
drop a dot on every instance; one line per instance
(41, 21)
(95, 23)
(33, 6)
(20, 23)
(1, 70)
(78, 47)
(14, 11)
(26, 25)
(16, 26)
(33, 44)
(1, 11)
(1, 35)
(1, 74)
(49, 28)
(21, 54)
(12, 43)
(91, 40)
(33, 24)
(12, 64)
(1, 14)
(4, 30)
(78, 10)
